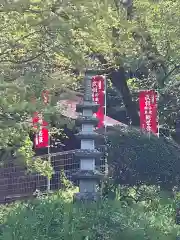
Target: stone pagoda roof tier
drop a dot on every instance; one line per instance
(87, 105)
(87, 153)
(88, 174)
(86, 120)
(87, 197)
(88, 135)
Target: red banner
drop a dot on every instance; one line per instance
(45, 97)
(98, 95)
(148, 111)
(41, 139)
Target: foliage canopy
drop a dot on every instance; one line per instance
(48, 44)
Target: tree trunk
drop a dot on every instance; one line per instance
(118, 79)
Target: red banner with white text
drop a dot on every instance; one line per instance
(148, 111)
(98, 95)
(41, 139)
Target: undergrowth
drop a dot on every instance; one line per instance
(56, 217)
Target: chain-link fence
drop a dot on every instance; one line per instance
(17, 183)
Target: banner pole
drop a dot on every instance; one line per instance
(49, 160)
(157, 101)
(105, 125)
(45, 97)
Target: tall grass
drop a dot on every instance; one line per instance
(57, 218)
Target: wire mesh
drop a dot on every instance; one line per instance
(17, 183)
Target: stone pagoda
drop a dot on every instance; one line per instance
(88, 176)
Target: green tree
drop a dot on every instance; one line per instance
(48, 44)
(143, 45)
(29, 63)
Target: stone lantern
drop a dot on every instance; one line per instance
(88, 176)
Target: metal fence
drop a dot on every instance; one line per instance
(16, 183)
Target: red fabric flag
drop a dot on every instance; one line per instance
(41, 139)
(98, 95)
(148, 111)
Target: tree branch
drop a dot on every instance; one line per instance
(169, 73)
(23, 61)
(118, 79)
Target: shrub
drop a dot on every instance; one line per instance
(136, 158)
(56, 217)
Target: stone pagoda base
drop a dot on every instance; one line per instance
(88, 196)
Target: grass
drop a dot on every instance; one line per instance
(56, 217)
